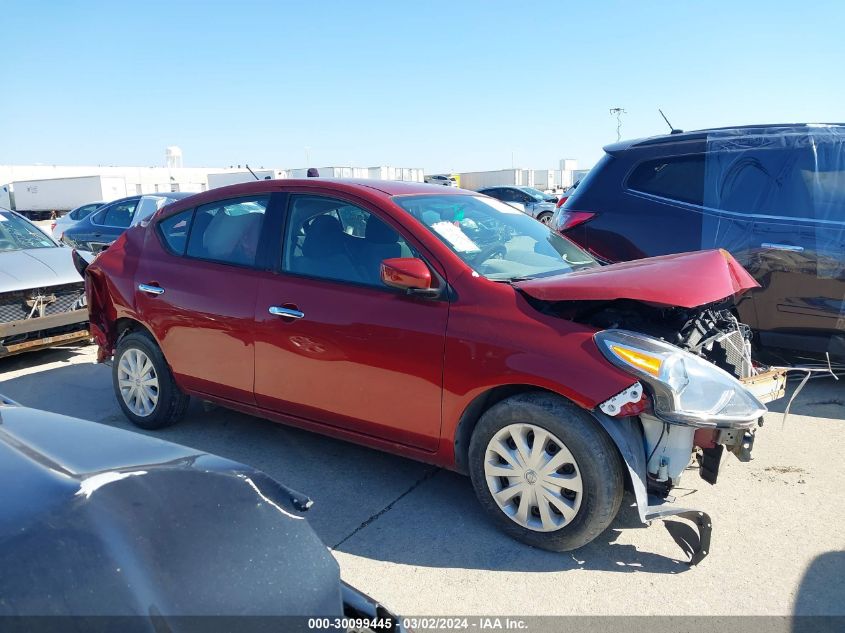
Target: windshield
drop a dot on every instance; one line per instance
(17, 234)
(496, 240)
(534, 193)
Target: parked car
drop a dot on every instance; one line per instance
(98, 521)
(98, 230)
(774, 196)
(442, 325)
(534, 202)
(64, 222)
(42, 297)
(441, 179)
(565, 196)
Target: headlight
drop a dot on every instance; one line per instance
(687, 389)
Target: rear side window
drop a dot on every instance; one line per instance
(678, 178)
(228, 231)
(758, 180)
(174, 231)
(119, 215)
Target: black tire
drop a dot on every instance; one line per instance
(597, 457)
(171, 404)
(545, 218)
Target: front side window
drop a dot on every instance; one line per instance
(228, 231)
(17, 234)
(495, 239)
(82, 212)
(678, 178)
(332, 239)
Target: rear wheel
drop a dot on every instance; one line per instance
(545, 471)
(144, 385)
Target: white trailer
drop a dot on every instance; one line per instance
(40, 198)
(476, 180)
(545, 179)
(236, 177)
(7, 197)
(396, 173)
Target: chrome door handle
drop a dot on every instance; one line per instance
(782, 247)
(152, 290)
(286, 312)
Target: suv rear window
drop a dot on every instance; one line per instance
(677, 178)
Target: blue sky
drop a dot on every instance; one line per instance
(458, 85)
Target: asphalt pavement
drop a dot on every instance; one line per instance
(414, 537)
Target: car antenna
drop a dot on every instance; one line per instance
(673, 129)
(257, 178)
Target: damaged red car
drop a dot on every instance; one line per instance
(444, 326)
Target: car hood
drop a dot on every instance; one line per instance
(36, 268)
(685, 280)
(101, 521)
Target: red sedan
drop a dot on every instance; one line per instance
(442, 325)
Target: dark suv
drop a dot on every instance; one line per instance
(772, 195)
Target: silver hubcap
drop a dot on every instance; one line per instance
(138, 382)
(533, 477)
(545, 219)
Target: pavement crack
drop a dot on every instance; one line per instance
(425, 477)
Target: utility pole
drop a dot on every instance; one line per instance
(618, 112)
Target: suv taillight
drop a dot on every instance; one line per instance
(561, 201)
(570, 219)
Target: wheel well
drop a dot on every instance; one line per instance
(472, 414)
(477, 408)
(124, 326)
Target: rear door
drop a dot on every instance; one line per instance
(336, 346)
(196, 290)
(791, 186)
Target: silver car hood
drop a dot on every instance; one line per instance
(36, 268)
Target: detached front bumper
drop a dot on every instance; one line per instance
(37, 333)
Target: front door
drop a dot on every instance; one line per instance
(196, 289)
(336, 346)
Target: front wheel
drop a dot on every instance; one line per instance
(144, 385)
(545, 471)
(545, 218)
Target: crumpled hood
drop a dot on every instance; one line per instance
(685, 280)
(36, 268)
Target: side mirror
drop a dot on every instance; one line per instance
(406, 273)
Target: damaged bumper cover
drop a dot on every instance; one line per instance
(45, 331)
(657, 448)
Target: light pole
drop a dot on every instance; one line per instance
(307, 156)
(618, 112)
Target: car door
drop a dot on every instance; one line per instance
(196, 289)
(336, 346)
(799, 244)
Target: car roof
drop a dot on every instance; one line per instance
(679, 135)
(364, 187)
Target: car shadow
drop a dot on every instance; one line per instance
(443, 525)
(367, 503)
(819, 606)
